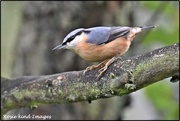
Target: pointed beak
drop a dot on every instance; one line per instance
(59, 47)
(147, 27)
(140, 29)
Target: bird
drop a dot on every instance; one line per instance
(100, 44)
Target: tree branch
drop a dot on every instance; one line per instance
(122, 77)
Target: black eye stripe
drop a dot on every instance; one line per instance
(68, 40)
(72, 37)
(79, 33)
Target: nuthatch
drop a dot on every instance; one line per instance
(100, 43)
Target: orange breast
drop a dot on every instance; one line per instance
(96, 53)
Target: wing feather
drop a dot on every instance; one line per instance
(101, 35)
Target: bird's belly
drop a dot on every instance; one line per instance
(96, 53)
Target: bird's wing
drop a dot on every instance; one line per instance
(101, 35)
(118, 32)
(98, 35)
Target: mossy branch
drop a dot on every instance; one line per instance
(122, 77)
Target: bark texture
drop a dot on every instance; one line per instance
(122, 77)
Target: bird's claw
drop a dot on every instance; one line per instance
(89, 68)
(105, 67)
(101, 71)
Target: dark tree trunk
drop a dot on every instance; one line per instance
(44, 25)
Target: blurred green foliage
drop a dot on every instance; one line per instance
(167, 30)
(162, 35)
(10, 21)
(161, 96)
(167, 33)
(153, 5)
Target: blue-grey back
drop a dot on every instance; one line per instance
(100, 35)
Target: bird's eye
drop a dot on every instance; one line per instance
(79, 33)
(70, 39)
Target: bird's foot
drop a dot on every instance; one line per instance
(107, 64)
(100, 65)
